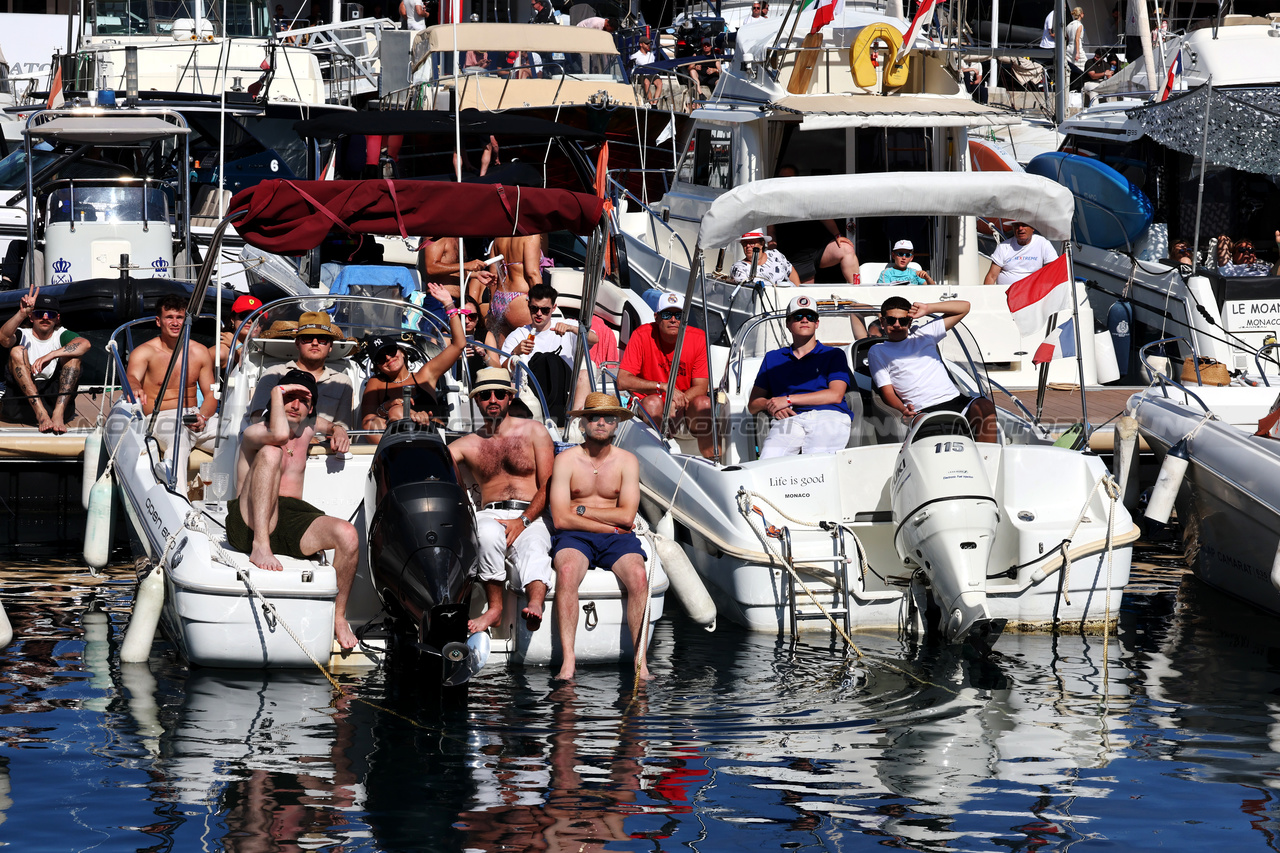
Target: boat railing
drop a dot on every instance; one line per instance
(621, 191)
(1259, 355)
(1163, 379)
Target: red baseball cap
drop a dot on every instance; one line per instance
(246, 303)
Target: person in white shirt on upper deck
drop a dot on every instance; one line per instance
(1019, 256)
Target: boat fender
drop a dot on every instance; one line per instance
(1165, 491)
(6, 630)
(1275, 570)
(1120, 325)
(97, 526)
(92, 464)
(1126, 444)
(685, 582)
(1106, 363)
(144, 619)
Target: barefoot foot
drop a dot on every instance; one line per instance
(532, 616)
(262, 557)
(346, 637)
(484, 621)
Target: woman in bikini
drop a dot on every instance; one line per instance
(521, 269)
(383, 399)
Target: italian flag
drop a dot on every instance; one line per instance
(824, 12)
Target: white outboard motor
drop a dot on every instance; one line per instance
(946, 514)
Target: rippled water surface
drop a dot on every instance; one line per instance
(1163, 735)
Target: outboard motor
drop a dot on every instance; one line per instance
(422, 544)
(946, 514)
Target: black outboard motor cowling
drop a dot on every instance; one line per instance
(422, 542)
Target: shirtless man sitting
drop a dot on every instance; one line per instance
(438, 262)
(268, 515)
(510, 459)
(147, 365)
(595, 493)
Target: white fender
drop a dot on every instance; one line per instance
(1125, 445)
(1104, 354)
(685, 582)
(6, 630)
(144, 619)
(92, 464)
(98, 524)
(1165, 491)
(1275, 569)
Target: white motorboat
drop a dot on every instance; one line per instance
(872, 534)
(1223, 479)
(403, 495)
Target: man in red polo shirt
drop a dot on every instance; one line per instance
(646, 367)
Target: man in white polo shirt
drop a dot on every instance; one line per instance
(1019, 256)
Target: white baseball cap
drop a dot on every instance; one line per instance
(903, 245)
(751, 236)
(801, 303)
(668, 301)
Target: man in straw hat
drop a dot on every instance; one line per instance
(510, 460)
(595, 492)
(268, 515)
(147, 365)
(314, 337)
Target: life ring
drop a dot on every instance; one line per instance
(860, 62)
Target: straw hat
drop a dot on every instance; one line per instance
(281, 329)
(318, 323)
(598, 403)
(493, 379)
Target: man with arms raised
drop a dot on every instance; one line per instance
(646, 367)
(908, 370)
(510, 460)
(268, 515)
(314, 339)
(147, 365)
(595, 493)
(44, 362)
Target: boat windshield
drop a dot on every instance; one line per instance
(247, 18)
(108, 204)
(13, 169)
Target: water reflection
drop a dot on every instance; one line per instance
(745, 741)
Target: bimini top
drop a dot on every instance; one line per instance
(292, 217)
(388, 122)
(1040, 202)
(107, 127)
(540, 38)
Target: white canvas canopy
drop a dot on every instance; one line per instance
(106, 128)
(1041, 203)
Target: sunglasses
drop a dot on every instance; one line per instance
(669, 315)
(896, 321)
(313, 339)
(903, 254)
(497, 395)
(801, 316)
(539, 309)
(386, 355)
(45, 315)
(609, 420)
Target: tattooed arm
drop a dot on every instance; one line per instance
(75, 348)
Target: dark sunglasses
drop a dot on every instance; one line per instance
(311, 339)
(669, 315)
(45, 315)
(896, 321)
(811, 316)
(538, 309)
(385, 355)
(498, 394)
(902, 254)
(609, 420)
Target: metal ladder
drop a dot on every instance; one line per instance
(839, 580)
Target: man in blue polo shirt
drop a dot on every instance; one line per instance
(802, 387)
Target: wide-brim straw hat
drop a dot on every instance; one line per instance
(493, 379)
(281, 329)
(598, 403)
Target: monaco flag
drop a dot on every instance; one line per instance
(1034, 299)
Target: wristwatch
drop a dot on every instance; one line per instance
(581, 510)
(526, 520)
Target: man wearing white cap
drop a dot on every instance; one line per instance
(900, 271)
(802, 387)
(646, 368)
(772, 267)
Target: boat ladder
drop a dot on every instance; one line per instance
(837, 579)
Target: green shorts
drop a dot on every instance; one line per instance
(293, 517)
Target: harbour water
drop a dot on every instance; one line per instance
(1164, 734)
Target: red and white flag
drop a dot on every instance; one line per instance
(824, 12)
(1034, 299)
(55, 90)
(922, 14)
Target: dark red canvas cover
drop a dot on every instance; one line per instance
(292, 217)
